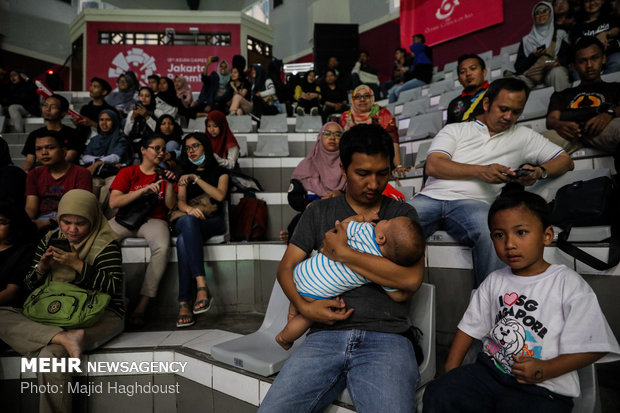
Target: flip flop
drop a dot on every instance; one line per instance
(204, 305)
(185, 320)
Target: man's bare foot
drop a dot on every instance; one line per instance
(283, 343)
(71, 340)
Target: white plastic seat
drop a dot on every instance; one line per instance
(611, 77)
(272, 146)
(196, 125)
(450, 66)
(240, 124)
(243, 145)
(2, 123)
(274, 123)
(537, 103)
(258, 352)
(447, 97)
(425, 125)
(440, 87)
(411, 94)
(420, 157)
(305, 124)
(415, 107)
(589, 400)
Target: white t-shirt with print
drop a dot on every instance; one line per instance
(541, 316)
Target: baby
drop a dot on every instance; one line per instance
(399, 239)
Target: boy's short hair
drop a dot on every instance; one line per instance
(56, 135)
(421, 37)
(466, 56)
(104, 84)
(511, 84)
(156, 77)
(584, 43)
(515, 198)
(366, 139)
(64, 103)
(406, 246)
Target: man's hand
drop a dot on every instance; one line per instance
(596, 124)
(335, 242)
(494, 173)
(568, 130)
(528, 370)
(92, 168)
(528, 180)
(326, 311)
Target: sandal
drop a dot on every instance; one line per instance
(185, 320)
(204, 305)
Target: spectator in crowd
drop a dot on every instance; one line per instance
(105, 154)
(421, 72)
(166, 100)
(168, 129)
(467, 163)
(365, 110)
(225, 146)
(472, 72)
(142, 119)
(130, 184)
(54, 109)
(308, 95)
(46, 184)
(402, 62)
(123, 98)
(17, 243)
(320, 369)
(563, 14)
(523, 365)
(275, 72)
(154, 83)
(215, 84)
(334, 64)
(365, 74)
(98, 90)
(264, 97)
(12, 177)
(21, 101)
(318, 175)
(238, 92)
(184, 92)
(94, 263)
(544, 52)
(202, 178)
(586, 115)
(595, 19)
(333, 97)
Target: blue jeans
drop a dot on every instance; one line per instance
(397, 90)
(480, 387)
(191, 234)
(378, 369)
(466, 221)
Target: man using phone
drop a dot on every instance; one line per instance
(586, 115)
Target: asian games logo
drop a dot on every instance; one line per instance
(135, 60)
(446, 9)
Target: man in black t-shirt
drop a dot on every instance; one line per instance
(471, 71)
(358, 339)
(54, 109)
(99, 89)
(586, 115)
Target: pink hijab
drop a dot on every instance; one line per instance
(319, 171)
(184, 93)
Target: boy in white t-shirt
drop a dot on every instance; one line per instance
(539, 323)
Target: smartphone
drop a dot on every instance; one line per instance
(61, 244)
(215, 59)
(162, 174)
(139, 104)
(521, 172)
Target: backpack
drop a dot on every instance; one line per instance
(248, 221)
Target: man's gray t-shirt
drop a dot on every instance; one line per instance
(374, 310)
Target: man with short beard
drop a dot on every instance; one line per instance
(471, 72)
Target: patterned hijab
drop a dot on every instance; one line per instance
(356, 116)
(319, 171)
(225, 140)
(84, 204)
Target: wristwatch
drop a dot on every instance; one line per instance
(608, 108)
(544, 174)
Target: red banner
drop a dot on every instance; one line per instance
(109, 61)
(442, 20)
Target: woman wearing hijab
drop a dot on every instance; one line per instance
(184, 92)
(364, 110)
(544, 52)
(94, 263)
(224, 144)
(318, 175)
(141, 121)
(201, 177)
(123, 99)
(166, 99)
(264, 98)
(421, 72)
(217, 88)
(308, 95)
(172, 133)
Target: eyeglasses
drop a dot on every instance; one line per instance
(360, 97)
(158, 149)
(194, 146)
(329, 133)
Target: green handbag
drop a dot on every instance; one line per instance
(66, 305)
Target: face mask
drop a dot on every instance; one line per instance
(199, 161)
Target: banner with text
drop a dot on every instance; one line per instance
(442, 20)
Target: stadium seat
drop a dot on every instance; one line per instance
(240, 124)
(410, 94)
(308, 124)
(420, 158)
(272, 146)
(425, 125)
(448, 67)
(440, 87)
(611, 77)
(243, 145)
(196, 125)
(447, 97)
(275, 123)
(415, 107)
(589, 400)
(537, 103)
(258, 352)
(511, 51)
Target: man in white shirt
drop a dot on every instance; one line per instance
(468, 163)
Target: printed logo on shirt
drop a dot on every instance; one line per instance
(587, 100)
